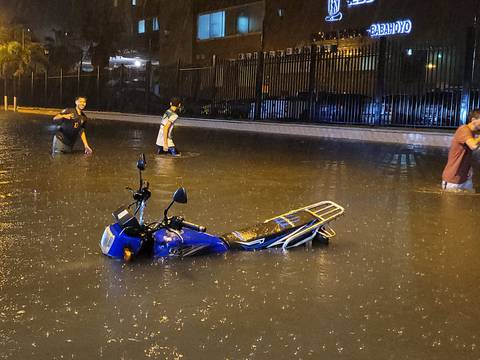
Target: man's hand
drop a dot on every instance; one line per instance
(165, 148)
(68, 116)
(88, 150)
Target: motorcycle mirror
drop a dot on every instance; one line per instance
(180, 196)
(141, 163)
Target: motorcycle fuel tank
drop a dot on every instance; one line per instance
(186, 242)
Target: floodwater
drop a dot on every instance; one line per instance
(399, 281)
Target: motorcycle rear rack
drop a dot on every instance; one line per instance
(324, 211)
(326, 231)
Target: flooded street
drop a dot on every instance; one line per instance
(399, 281)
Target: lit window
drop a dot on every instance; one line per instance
(242, 24)
(203, 27)
(141, 26)
(134, 2)
(217, 24)
(245, 19)
(115, 3)
(155, 25)
(211, 25)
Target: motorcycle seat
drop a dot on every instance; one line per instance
(268, 229)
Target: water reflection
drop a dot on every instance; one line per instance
(397, 282)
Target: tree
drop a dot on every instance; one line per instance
(63, 53)
(18, 57)
(102, 28)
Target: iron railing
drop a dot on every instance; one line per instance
(384, 83)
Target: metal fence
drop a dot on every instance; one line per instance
(385, 83)
(378, 84)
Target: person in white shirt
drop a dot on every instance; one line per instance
(165, 144)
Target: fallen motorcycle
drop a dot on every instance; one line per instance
(130, 236)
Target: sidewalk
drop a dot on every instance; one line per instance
(438, 138)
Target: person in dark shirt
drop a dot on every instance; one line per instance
(71, 125)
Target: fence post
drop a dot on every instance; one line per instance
(61, 86)
(213, 91)
(468, 74)
(45, 88)
(19, 91)
(5, 97)
(177, 85)
(380, 79)
(32, 89)
(258, 86)
(98, 87)
(78, 79)
(312, 82)
(122, 76)
(14, 90)
(148, 76)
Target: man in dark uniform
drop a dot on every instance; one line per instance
(71, 124)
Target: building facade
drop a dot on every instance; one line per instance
(157, 30)
(194, 31)
(407, 63)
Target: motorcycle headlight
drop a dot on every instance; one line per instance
(107, 240)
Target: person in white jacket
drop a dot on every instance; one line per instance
(165, 144)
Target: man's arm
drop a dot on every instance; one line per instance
(88, 149)
(63, 115)
(473, 143)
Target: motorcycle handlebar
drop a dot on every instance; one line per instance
(194, 227)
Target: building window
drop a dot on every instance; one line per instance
(211, 25)
(155, 24)
(242, 24)
(235, 20)
(115, 3)
(134, 2)
(141, 26)
(245, 19)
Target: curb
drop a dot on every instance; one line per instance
(396, 136)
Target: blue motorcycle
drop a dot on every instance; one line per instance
(130, 236)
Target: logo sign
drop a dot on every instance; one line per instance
(334, 13)
(391, 28)
(333, 7)
(358, 2)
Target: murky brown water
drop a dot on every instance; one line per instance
(400, 280)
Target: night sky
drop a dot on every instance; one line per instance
(41, 15)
